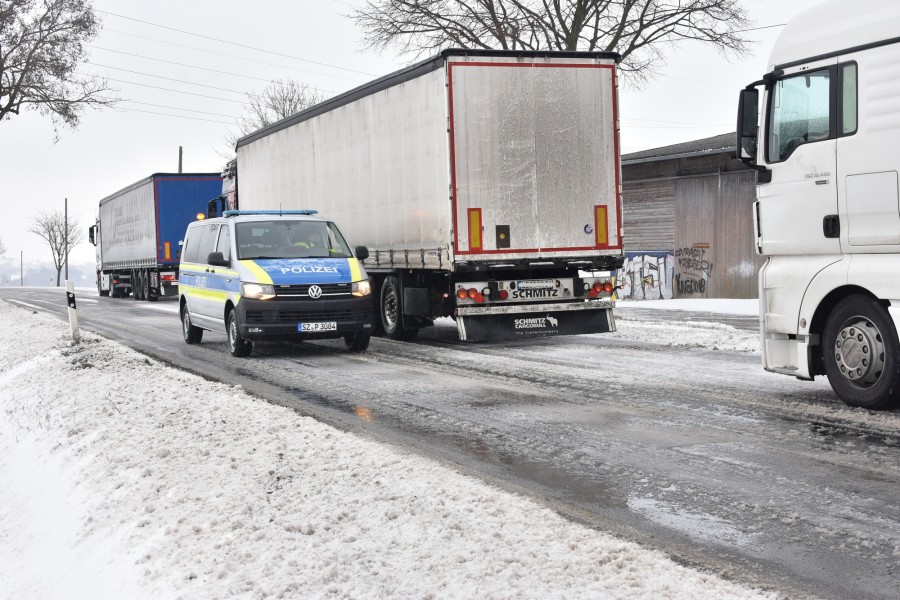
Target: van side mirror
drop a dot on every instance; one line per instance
(747, 126)
(362, 252)
(217, 259)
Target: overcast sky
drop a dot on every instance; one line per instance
(311, 41)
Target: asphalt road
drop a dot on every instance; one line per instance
(698, 453)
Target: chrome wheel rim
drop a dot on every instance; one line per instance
(186, 322)
(859, 352)
(390, 308)
(232, 334)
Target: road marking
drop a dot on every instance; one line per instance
(34, 306)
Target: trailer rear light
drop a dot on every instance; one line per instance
(473, 293)
(592, 293)
(486, 292)
(598, 287)
(167, 277)
(479, 298)
(504, 294)
(608, 287)
(115, 281)
(462, 294)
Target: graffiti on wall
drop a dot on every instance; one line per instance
(693, 270)
(646, 276)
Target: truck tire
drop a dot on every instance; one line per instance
(135, 285)
(357, 342)
(145, 284)
(192, 334)
(860, 351)
(391, 310)
(237, 345)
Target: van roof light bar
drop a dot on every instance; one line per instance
(278, 212)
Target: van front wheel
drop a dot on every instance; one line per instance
(237, 345)
(859, 348)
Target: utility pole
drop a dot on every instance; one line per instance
(66, 238)
(179, 159)
(21, 269)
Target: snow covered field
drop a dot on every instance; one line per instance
(115, 486)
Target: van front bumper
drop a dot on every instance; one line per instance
(272, 319)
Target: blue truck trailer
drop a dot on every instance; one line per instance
(139, 229)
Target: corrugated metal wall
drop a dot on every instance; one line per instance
(699, 210)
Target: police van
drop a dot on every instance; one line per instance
(283, 274)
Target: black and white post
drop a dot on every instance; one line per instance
(70, 286)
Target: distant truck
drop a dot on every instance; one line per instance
(484, 184)
(138, 232)
(827, 214)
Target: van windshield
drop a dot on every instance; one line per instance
(289, 239)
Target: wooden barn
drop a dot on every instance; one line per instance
(688, 219)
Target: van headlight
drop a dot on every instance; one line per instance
(361, 288)
(257, 291)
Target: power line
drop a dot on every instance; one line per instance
(156, 87)
(150, 112)
(217, 53)
(206, 37)
(202, 112)
(172, 62)
(212, 87)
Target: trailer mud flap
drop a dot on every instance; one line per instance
(505, 326)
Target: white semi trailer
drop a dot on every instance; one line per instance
(485, 185)
(828, 211)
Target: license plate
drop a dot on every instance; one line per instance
(536, 284)
(313, 327)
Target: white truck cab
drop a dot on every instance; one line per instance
(824, 141)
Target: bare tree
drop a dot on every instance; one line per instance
(2, 248)
(42, 43)
(280, 99)
(61, 236)
(636, 29)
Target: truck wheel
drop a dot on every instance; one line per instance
(192, 334)
(135, 288)
(238, 346)
(859, 347)
(392, 311)
(357, 342)
(145, 284)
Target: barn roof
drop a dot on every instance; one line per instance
(711, 145)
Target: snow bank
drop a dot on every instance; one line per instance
(124, 478)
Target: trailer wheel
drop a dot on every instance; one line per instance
(357, 342)
(145, 284)
(135, 288)
(860, 348)
(392, 311)
(237, 345)
(192, 334)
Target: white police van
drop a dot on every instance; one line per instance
(282, 274)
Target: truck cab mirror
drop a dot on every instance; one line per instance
(362, 252)
(217, 259)
(747, 127)
(91, 230)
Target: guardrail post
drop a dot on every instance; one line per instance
(73, 314)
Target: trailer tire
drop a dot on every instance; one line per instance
(860, 350)
(135, 287)
(357, 342)
(192, 333)
(238, 346)
(145, 284)
(391, 311)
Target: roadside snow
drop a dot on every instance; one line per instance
(712, 305)
(125, 478)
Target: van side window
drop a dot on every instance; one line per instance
(207, 242)
(192, 244)
(849, 99)
(224, 245)
(800, 113)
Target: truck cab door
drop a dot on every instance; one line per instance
(797, 210)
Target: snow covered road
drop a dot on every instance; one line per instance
(667, 432)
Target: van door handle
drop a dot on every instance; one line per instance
(831, 226)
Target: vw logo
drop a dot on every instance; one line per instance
(315, 292)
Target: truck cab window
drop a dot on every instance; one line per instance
(800, 113)
(849, 106)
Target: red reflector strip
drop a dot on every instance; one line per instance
(167, 277)
(601, 224)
